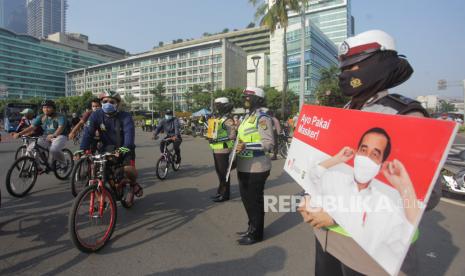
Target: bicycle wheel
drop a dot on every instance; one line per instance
(80, 176)
(283, 148)
(92, 218)
(20, 152)
(162, 168)
(63, 170)
(175, 165)
(21, 176)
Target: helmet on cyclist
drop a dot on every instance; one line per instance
(222, 105)
(254, 97)
(110, 94)
(364, 45)
(48, 103)
(168, 114)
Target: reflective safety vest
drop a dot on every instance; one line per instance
(338, 229)
(248, 133)
(220, 135)
(148, 122)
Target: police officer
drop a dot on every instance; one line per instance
(224, 134)
(255, 138)
(369, 66)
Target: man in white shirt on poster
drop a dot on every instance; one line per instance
(382, 222)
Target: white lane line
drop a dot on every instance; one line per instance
(453, 202)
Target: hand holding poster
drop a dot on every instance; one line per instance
(372, 173)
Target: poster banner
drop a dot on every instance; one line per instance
(371, 172)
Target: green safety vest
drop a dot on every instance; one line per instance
(148, 122)
(221, 134)
(338, 229)
(248, 133)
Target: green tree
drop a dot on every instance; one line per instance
(274, 100)
(129, 99)
(327, 91)
(160, 102)
(446, 107)
(274, 18)
(201, 98)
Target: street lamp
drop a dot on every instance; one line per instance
(256, 61)
(211, 98)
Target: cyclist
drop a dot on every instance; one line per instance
(26, 120)
(94, 105)
(74, 120)
(54, 126)
(117, 131)
(170, 125)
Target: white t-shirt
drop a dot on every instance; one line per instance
(376, 221)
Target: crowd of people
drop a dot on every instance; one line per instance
(369, 65)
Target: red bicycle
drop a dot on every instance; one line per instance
(93, 215)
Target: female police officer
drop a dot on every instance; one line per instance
(255, 138)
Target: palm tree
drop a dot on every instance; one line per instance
(276, 17)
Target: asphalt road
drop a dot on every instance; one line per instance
(174, 229)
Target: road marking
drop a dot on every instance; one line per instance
(453, 202)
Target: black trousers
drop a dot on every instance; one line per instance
(327, 264)
(251, 186)
(176, 147)
(221, 166)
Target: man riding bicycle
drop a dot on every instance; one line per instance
(54, 126)
(170, 125)
(117, 131)
(94, 106)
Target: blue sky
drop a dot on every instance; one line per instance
(430, 33)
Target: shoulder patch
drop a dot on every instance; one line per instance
(262, 124)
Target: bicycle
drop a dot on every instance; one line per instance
(283, 145)
(81, 174)
(34, 162)
(76, 138)
(21, 151)
(93, 215)
(166, 159)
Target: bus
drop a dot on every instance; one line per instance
(12, 117)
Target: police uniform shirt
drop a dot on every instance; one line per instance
(265, 129)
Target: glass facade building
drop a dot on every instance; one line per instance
(332, 17)
(30, 67)
(320, 53)
(178, 67)
(13, 15)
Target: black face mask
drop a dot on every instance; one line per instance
(223, 109)
(382, 71)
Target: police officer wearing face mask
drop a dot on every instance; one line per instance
(369, 66)
(224, 134)
(255, 138)
(171, 127)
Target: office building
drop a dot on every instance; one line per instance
(31, 67)
(178, 67)
(46, 17)
(13, 15)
